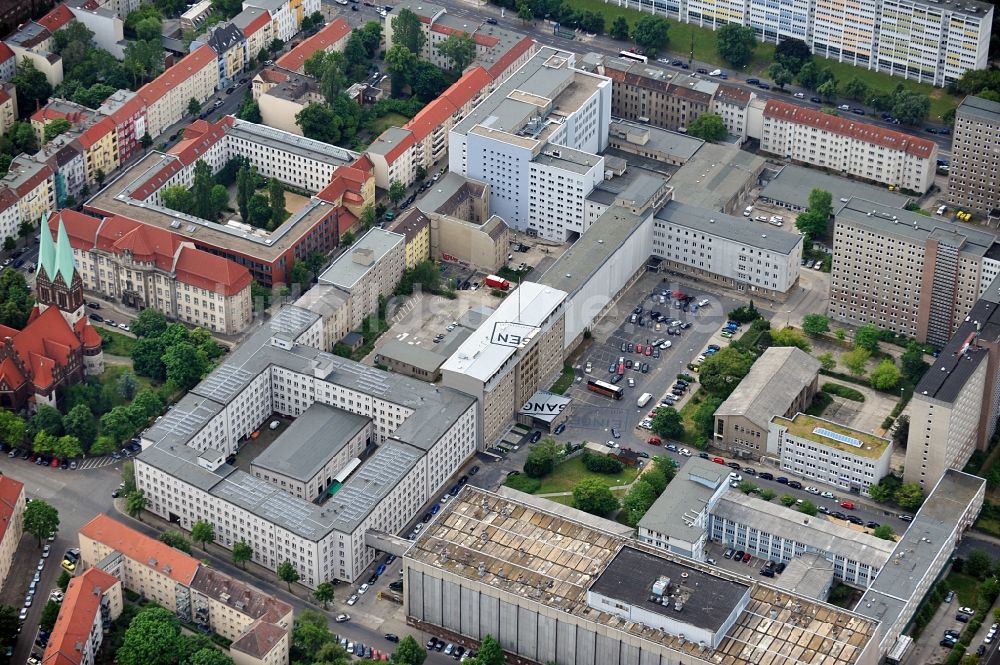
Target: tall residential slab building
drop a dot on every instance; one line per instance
(975, 156)
(905, 272)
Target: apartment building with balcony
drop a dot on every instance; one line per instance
(331, 38)
(92, 601)
(166, 97)
(12, 502)
(973, 181)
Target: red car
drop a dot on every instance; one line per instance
(655, 440)
(638, 349)
(718, 460)
(746, 557)
(55, 463)
(848, 505)
(649, 350)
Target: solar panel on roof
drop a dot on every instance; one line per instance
(837, 436)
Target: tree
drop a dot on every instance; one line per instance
(808, 507)
(12, 428)
(815, 219)
(867, 337)
(147, 359)
(276, 200)
(201, 190)
(299, 273)
(249, 110)
(638, 500)
(209, 656)
(203, 532)
(490, 652)
(856, 89)
(901, 433)
(317, 121)
(910, 107)
(912, 362)
(401, 63)
(787, 500)
(828, 90)
(885, 532)
(46, 419)
(9, 244)
(885, 376)
(735, 43)
(592, 496)
(127, 385)
(409, 652)
(790, 337)
(54, 128)
(708, 127)
(978, 563)
(460, 49)
(177, 197)
(149, 403)
(64, 579)
(149, 323)
(427, 81)
(41, 520)
(909, 496)
(242, 552)
(397, 191)
(68, 447)
(194, 106)
(792, 54)
(406, 31)
(49, 614)
(619, 29)
(136, 503)
(827, 361)
(667, 422)
(541, 458)
(10, 625)
(152, 638)
(220, 200)
(881, 493)
(855, 361)
(259, 209)
(324, 593)
(287, 573)
(815, 324)
(722, 372)
(808, 75)
(185, 365)
(704, 415)
(177, 540)
(780, 74)
(244, 191)
(650, 33)
(33, 89)
(767, 494)
(747, 487)
(17, 301)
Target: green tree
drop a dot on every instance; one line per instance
(10, 625)
(790, 337)
(64, 579)
(203, 533)
(397, 191)
(808, 507)
(592, 496)
(912, 362)
(619, 28)
(792, 54)
(177, 540)
(856, 361)
(127, 385)
(885, 532)
(201, 190)
(780, 74)
(152, 638)
(49, 614)
(309, 635)
(136, 503)
(9, 244)
(667, 422)
(704, 415)
(856, 89)
(808, 75)
(541, 458)
(815, 219)
(901, 433)
(299, 273)
(828, 90)
(885, 376)
(909, 496)
(324, 594)
(637, 501)
(735, 43)
(249, 110)
(978, 563)
(401, 63)
(708, 127)
(910, 107)
(259, 209)
(54, 128)
(33, 89)
(149, 29)
(409, 652)
(406, 30)
(287, 573)
(40, 519)
(276, 199)
(68, 447)
(209, 656)
(46, 419)
(149, 323)
(460, 49)
(317, 121)
(220, 200)
(185, 365)
(490, 652)
(787, 500)
(867, 337)
(242, 552)
(148, 402)
(827, 361)
(177, 197)
(147, 359)
(723, 371)
(767, 494)
(650, 33)
(244, 191)
(12, 428)
(815, 324)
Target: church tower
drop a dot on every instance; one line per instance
(57, 280)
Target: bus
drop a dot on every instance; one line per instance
(606, 389)
(629, 55)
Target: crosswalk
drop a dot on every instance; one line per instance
(95, 463)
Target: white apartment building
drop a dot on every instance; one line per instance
(847, 146)
(423, 434)
(845, 458)
(369, 270)
(167, 96)
(286, 15)
(11, 523)
(537, 136)
(974, 178)
(905, 272)
(726, 249)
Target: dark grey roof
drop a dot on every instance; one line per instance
(978, 107)
(736, 229)
(631, 574)
(951, 370)
(224, 37)
(793, 183)
(713, 176)
(311, 441)
(685, 498)
(411, 354)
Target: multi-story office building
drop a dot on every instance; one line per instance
(905, 272)
(783, 380)
(847, 146)
(93, 600)
(814, 448)
(516, 351)
(368, 272)
(258, 625)
(11, 525)
(535, 140)
(420, 435)
(973, 180)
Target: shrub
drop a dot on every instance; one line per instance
(843, 391)
(523, 483)
(601, 463)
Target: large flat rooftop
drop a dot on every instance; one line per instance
(714, 174)
(532, 552)
(834, 435)
(361, 257)
(710, 221)
(793, 183)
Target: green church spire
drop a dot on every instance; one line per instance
(46, 250)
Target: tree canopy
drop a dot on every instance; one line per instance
(459, 48)
(651, 33)
(723, 371)
(41, 520)
(708, 127)
(736, 43)
(593, 496)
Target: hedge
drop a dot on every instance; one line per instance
(843, 391)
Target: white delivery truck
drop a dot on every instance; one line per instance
(643, 400)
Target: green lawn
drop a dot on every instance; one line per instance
(965, 587)
(113, 372)
(379, 125)
(704, 46)
(569, 473)
(568, 501)
(118, 344)
(564, 381)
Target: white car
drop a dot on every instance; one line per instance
(589, 367)
(612, 444)
(826, 495)
(735, 477)
(665, 345)
(352, 600)
(685, 452)
(799, 95)
(703, 302)
(362, 589)
(343, 618)
(45, 551)
(843, 107)
(56, 595)
(812, 490)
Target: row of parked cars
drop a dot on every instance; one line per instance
(459, 653)
(41, 459)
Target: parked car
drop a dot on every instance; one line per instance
(849, 505)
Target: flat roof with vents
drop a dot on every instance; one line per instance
(834, 435)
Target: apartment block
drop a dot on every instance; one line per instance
(536, 141)
(128, 112)
(230, 47)
(11, 525)
(196, 593)
(32, 186)
(848, 147)
(92, 601)
(838, 456)
(331, 38)
(255, 24)
(905, 272)
(972, 179)
(166, 97)
(515, 352)
(8, 106)
(286, 15)
(416, 228)
(141, 266)
(783, 380)
(369, 271)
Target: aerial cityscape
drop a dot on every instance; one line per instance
(323, 322)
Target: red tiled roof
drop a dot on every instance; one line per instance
(188, 65)
(260, 639)
(8, 198)
(5, 52)
(45, 342)
(199, 136)
(4, 97)
(472, 83)
(146, 243)
(861, 131)
(77, 614)
(211, 272)
(734, 94)
(402, 146)
(363, 163)
(511, 56)
(258, 23)
(321, 41)
(10, 492)
(57, 18)
(334, 191)
(51, 112)
(345, 220)
(96, 132)
(273, 76)
(430, 117)
(489, 41)
(81, 229)
(126, 111)
(141, 548)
